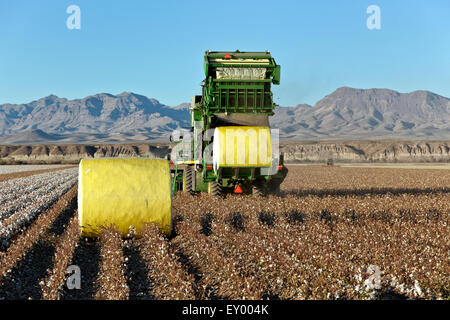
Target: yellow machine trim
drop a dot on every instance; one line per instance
(187, 162)
(124, 193)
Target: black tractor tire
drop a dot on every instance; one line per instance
(216, 189)
(274, 187)
(187, 179)
(259, 188)
(284, 172)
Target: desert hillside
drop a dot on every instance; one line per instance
(350, 151)
(367, 151)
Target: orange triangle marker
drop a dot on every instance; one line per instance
(238, 189)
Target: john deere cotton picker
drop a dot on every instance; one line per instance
(229, 147)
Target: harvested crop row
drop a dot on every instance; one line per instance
(169, 280)
(23, 174)
(25, 240)
(278, 257)
(256, 256)
(51, 285)
(241, 238)
(20, 214)
(111, 280)
(325, 180)
(310, 207)
(333, 241)
(260, 258)
(219, 276)
(410, 230)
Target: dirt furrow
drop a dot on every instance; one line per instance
(87, 257)
(136, 273)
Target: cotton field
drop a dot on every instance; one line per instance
(332, 233)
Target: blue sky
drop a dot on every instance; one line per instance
(156, 48)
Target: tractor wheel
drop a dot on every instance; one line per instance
(259, 188)
(284, 171)
(274, 187)
(215, 189)
(187, 179)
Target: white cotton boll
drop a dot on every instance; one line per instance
(26, 197)
(417, 288)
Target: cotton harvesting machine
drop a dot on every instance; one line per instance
(229, 147)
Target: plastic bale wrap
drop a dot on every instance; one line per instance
(126, 193)
(239, 146)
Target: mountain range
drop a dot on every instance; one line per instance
(346, 113)
(350, 113)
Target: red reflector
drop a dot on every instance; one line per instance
(280, 167)
(209, 167)
(227, 56)
(238, 189)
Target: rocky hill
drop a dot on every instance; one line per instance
(74, 153)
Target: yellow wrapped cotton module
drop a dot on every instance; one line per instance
(241, 146)
(125, 193)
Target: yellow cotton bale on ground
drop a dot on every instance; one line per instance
(242, 146)
(125, 193)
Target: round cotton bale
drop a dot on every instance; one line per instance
(124, 193)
